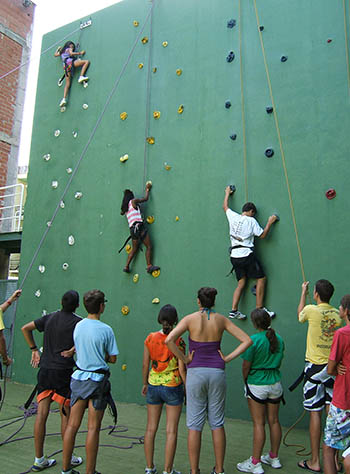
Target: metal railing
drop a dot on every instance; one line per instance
(11, 207)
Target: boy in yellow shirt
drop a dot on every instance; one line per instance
(322, 320)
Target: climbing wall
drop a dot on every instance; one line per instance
(253, 94)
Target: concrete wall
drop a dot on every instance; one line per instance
(311, 95)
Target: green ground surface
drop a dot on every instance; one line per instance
(17, 456)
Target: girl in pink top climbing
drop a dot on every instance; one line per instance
(138, 231)
(68, 55)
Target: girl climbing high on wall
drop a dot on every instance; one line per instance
(138, 231)
(68, 55)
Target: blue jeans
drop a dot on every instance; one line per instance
(159, 394)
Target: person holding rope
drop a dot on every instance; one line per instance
(55, 371)
(323, 319)
(337, 429)
(264, 391)
(95, 345)
(138, 231)
(68, 56)
(205, 379)
(243, 228)
(6, 360)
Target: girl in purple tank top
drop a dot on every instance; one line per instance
(205, 381)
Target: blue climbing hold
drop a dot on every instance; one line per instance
(269, 110)
(230, 57)
(232, 188)
(284, 59)
(233, 136)
(227, 104)
(261, 28)
(231, 23)
(269, 152)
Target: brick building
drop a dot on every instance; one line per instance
(16, 25)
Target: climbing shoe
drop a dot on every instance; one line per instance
(63, 102)
(236, 315)
(43, 464)
(272, 314)
(152, 268)
(83, 79)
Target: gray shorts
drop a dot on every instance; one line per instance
(206, 393)
(88, 390)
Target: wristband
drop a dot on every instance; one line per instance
(33, 348)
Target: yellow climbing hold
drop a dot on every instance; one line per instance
(124, 158)
(177, 218)
(125, 310)
(135, 278)
(165, 44)
(140, 65)
(144, 40)
(154, 70)
(156, 300)
(128, 248)
(156, 273)
(156, 114)
(150, 140)
(167, 166)
(150, 219)
(136, 23)
(123, 115)
(180, 109)
(124, 367)
(179, 72)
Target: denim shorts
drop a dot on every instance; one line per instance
(159, 394)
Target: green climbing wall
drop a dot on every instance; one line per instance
(311, 99)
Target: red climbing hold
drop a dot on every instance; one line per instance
(329, 40)
(331, 193)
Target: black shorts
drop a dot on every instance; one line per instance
(56, 380)
(138, 231)
(249, 267)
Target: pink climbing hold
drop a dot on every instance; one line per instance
(331, 193)
(329, 40)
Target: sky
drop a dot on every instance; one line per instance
(49, 15)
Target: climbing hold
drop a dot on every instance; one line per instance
(253, 290)
(150, 140)
(135, 23)
(230, 57)
(329, 40)
(62, 204)
(269, 152)
(232, 188)
(124, 367)
(156, 273)
(47, 157)
(165, 44)
(71, 240)
(233, 136)
(123, 115)
(156, 300)
(43, 313)
(124, 158)
(78, 195)
(135, 278)
(269, 110)
(140, 65)
(38, 293)
(49, 223)
(277, 217)
(128, 248)
(167, 166)
(154, 70)
(86, 84)
(284, 59)
(180, 109)
(57, 133)
(63, 108)
(60, 82)
(54, 184)
(179, 72)
(41, 268)
(231, 23)
(150, 219)
(65, 266)
(261, 28)
(156, 114)
(85, 106)
(125, 310)
(227, 104)
(149, 183)
(75, 134)
(144, 40)
(177, 218)
(331, 193)
(69, 170)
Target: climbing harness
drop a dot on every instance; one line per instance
(138, 230)
(268, 400)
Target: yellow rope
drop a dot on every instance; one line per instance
(281, 146)
(346, 45)
(242, 104)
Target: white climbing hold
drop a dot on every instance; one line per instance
(41, 268)
(54, 184)
(69, 170)
(71, 240)
(86, 84)
(38, 293)
(65, 266)
(78, 195)
(43, 313)
(62, 204)
(63, 109)
(47, 157)
(85, 106)
(57, 133)
(49, 223)
(75, 134)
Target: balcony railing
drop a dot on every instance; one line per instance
(11, 207)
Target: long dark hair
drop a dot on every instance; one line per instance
(206, 296)
(67, 45)
(128, 195)
(261, 320)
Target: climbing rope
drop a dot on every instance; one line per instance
(302, 449)
(346, 45)
(148, 103)
(242, 103)
(83, 153)
(43, 52)
(281, 147)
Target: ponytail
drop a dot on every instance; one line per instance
(271, 336)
